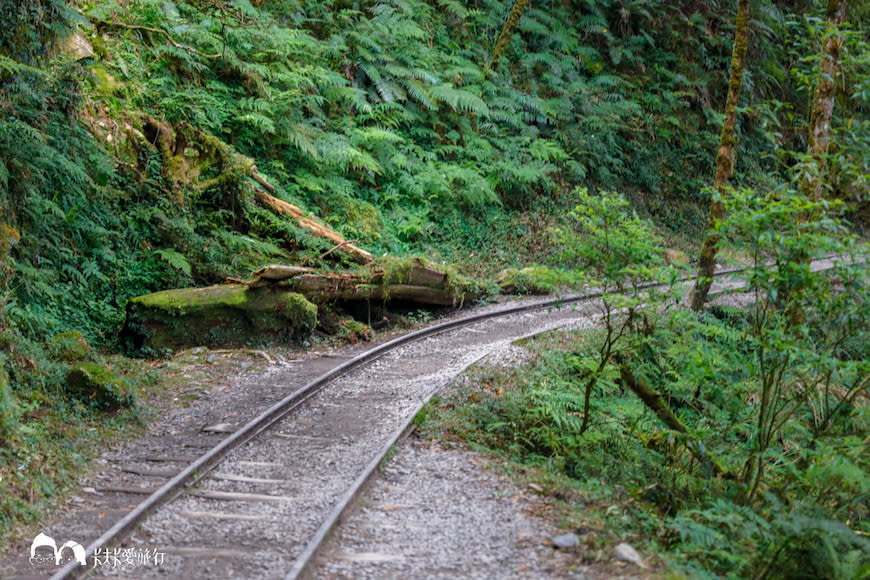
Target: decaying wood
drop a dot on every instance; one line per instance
(334, 248)
(262, 180)
(418, 274)
(328, 287)
(279, 272)
(281, 206)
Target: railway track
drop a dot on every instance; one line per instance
(256, 500)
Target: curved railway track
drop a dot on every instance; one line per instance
(258, 500)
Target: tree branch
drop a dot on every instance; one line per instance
(118, 24)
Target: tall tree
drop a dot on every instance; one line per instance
(507, 31)
(724, 158)
(812, 181)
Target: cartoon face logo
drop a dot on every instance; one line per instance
(46, 541)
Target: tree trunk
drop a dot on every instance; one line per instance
(823, 102)
(724, 159)
(812, 183)
(507, 31)
(655, 402)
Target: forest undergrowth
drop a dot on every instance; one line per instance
(731, 443)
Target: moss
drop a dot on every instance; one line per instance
(8, 408)
(354, 331)
(531, 280)
(105, 84)
(676, 257)
(9, 236)
(227, 314)
(99, 386)
(191, 300)
(69, 346)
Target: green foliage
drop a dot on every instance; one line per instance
(768, 475)
(28, 29)
(611, 243)
(776, 541)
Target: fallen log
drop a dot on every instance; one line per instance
(279, 272)
(413, 273)
(321, 288)
(321, 231)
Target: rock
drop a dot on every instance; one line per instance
(224, 315)
(69, 346)
(626, 553)
(98, 386)
(566, 542)
(77, 47)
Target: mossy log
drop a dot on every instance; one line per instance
(322, 288)
(227, 314)
(279, 272)
(408, 280)
(412, 273)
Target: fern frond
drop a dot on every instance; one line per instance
(454, 7)
(459, 99)
(298, 137)
(259, 122)
(13, 67)
(351, 96)
(373, 136)
(419, 93)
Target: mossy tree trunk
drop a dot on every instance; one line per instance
(812, 183)
(507, 31)
(813, 174)
(724, 158)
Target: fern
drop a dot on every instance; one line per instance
(459, 99)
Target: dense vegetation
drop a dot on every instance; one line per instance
(128, 128)
(734, 442)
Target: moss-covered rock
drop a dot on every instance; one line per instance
(227, 314)
(99, 386)
(531, 280)
(69, 346)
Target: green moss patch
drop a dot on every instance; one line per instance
(227, 314)
(69, 346)
(99, 386)
(531, 280)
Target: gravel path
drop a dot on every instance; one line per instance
(441, 513)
